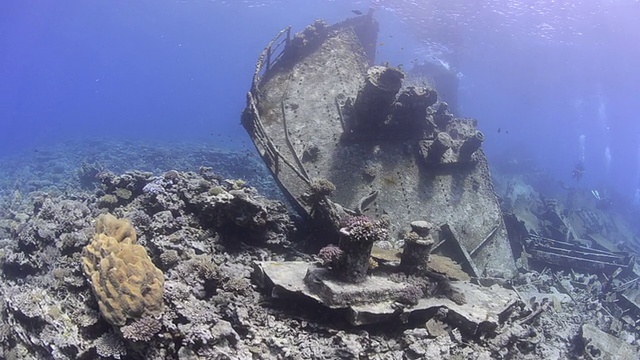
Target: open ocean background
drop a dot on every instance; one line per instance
(538, 75)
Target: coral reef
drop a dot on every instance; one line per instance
(187, 221)
(88, 173)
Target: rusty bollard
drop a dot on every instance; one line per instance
(417, 247)
(356, 241)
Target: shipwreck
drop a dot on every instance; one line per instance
(396, 186)
(348, 139)
(319, 108)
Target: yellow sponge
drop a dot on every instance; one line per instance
(125, 282)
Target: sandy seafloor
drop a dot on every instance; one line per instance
(49, 200)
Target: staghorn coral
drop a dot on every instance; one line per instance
(204, 267)
(125, 282)
(363, 229)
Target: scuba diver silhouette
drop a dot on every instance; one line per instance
(578, 171)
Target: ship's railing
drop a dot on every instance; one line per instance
(270, 55)
(251, 118)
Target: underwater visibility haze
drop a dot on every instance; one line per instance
(519, 182)
(544, 73)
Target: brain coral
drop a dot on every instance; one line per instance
(125, 282)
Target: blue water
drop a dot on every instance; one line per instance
(546, 73)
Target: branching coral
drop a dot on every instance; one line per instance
(363, 229)
(143, 329)
(330, 255)
(109, 345)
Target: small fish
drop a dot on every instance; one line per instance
(499, 130)
(357, 12)
(364, 203)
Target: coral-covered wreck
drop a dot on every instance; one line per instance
(347, 139)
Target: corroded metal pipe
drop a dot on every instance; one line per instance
(415, 256)
(375, 100)
(439, 146)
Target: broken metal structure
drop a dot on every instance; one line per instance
(553, 236)
(600, 345)
(576, 256)
(481, 313)
(549, 237)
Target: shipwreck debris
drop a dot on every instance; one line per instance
(375, 99)
(600, 345)
(375, 300)
(576, 256)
